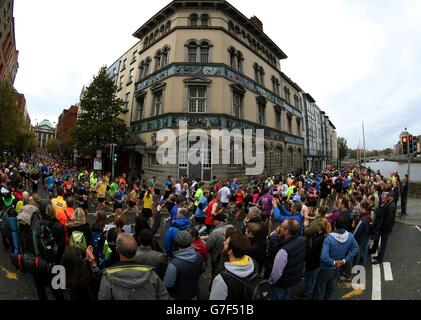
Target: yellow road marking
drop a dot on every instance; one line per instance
(353, 293)
(9, 275)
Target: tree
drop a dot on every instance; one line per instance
(25, 140)
(100, 121)
(342, 148)
(10, 116)
(52, 146)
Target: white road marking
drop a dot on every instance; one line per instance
(387, 268)
(377, 283)
(419, 229)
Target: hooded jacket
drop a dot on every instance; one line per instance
(242, 269)
(129, 281)
(339, 245)
(183, 274)
(169, 239)
(25, 215)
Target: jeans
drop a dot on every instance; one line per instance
(384, 235)
(325, 284)
(279, 293)
(310, 281)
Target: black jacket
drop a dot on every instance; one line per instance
(258, 251)
(313, 251)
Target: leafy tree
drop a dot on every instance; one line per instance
(100, 122)
(342, 148)
(25, 140)
(52, 146)
(10, 116)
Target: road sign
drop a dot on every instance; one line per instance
(97, 164)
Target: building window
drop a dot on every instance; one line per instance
(204, 52)
(121, 82)
(197, 99)
(164, 58)
(236, 59)
(290, 157)
(287, 95)
(127, 101)
(193, 20)
(296, 101)
(123, 67)
(140, 103)
(158, 103)
(259, 74)
(276, 85)
(277, 157)
(152, 160)
(131, 76)
(158, 57)
(198, 51)
(192, 52)
(238, 105)
(278, 120)
(205, 20)
(134, 56)
(298, 125)
(289, 118)
(144, 68)
(261, 114)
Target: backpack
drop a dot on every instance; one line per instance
(255, 287)
(78, 240)
(44, 244)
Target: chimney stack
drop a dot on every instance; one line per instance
(256, 21)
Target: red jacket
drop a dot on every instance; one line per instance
(200, 248)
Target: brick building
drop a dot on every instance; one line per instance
(8, 53)
(66, 122)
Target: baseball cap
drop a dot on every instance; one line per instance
(296, 198)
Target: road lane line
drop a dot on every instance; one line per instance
(419, 229)
(377, 283)
(387, 268)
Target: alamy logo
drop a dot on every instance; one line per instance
(59, 280)
(239, 152)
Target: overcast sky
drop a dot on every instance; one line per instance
(360, 59)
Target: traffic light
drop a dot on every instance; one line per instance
(411, 144)
(115, 157)
(405, 144)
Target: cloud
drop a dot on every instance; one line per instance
(359, 59)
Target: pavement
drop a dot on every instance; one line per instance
(413, 216)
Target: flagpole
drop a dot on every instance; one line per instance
(364, 143)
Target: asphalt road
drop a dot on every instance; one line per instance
(398, 278)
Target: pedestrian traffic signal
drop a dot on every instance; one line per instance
(411, 144)
(405, 144)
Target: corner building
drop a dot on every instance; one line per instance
(206, 63)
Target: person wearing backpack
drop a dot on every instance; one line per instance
(66, 214)
(183, 272)
(128, 280)
(82, 275)
(79, 231)
(231, 284)
(286, 257)
(57, 231)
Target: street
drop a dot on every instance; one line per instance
(398, 278)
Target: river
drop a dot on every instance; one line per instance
(387, 167)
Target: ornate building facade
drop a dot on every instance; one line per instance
(206, 63)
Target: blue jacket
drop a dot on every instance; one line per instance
(169, 239)
(338, 245)
(284, 214)
(200, 213)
